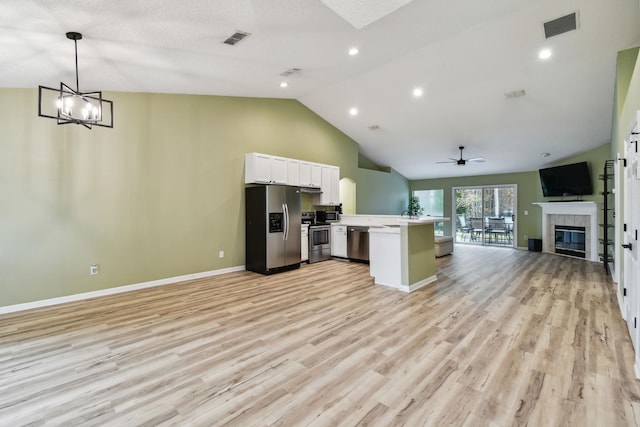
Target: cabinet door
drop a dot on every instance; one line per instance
(304, 244)
(316, 175)
(305, 174)
(334, 185)
(339, 241)
(330, 186)
(293, 172)
(279, 171)
(334, 240)
(258, 168)
(325, 197)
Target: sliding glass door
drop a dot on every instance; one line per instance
(485, 215)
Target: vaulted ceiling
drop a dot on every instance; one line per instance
(471, 59)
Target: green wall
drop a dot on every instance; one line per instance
(529, 191)
(381, 193)
(157, 196)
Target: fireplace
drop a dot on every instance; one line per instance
(571, 214)
(570, 240)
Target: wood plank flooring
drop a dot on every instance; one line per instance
(504, 337)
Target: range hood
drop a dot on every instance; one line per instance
(310, 190)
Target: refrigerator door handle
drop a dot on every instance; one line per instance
(285, 209)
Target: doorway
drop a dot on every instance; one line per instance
(631, 261)
(485, 215)
(348, 196)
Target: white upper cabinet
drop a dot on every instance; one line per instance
(316, 175)
(305, 174)
(330, 186)
(265, 169)
(293, 172)
(310, 174)
(257, 168)
(279, 170)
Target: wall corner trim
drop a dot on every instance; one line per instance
(116, 290)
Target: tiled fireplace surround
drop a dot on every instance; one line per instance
(577, 214)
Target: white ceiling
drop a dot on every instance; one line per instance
(465, 54)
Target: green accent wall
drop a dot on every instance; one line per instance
(529, 191)
(418, 258)
(381, 193)
(157, 196)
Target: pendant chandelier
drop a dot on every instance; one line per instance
(67, 105)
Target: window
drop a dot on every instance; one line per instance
(432, 203)
(485, 215)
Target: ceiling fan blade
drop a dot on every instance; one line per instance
(462, 161)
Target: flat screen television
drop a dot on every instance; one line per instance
(566, 180)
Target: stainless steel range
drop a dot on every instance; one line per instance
(319, 238)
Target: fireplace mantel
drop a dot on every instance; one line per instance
(589, 209)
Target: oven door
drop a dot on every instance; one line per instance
(319, 237)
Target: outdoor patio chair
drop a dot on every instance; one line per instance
(497, 227)
(477, 228)
(463, 226)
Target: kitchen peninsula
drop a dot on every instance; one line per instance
(401, 250)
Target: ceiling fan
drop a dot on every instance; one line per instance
(461, 161)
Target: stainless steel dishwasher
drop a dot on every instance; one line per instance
(358, 243)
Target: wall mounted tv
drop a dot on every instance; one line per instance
(566, 180)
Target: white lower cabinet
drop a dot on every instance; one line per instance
(339, 241)
(304, 242)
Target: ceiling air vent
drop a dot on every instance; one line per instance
(290, 72)
(561, 25)
(236, 38)
(515, 93)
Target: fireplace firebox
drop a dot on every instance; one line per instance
(570, 240)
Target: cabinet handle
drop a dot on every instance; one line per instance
(628, 246)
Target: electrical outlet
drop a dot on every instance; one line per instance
(221, 255)
(526, 238)
(93, 270)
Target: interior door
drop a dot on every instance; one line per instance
(630, 238)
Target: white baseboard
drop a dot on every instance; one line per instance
(418, 285)
(117, 290)
(621, 305)
(410, 288)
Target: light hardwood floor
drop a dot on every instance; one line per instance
(504, 337)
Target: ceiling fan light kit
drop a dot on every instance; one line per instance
(67, 105)
(461, 161)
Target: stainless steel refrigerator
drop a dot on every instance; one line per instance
(272, 219)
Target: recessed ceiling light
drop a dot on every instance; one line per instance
(418, 92)
(544, 54)
(284, 84)
(353, 51)
(353, 111)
